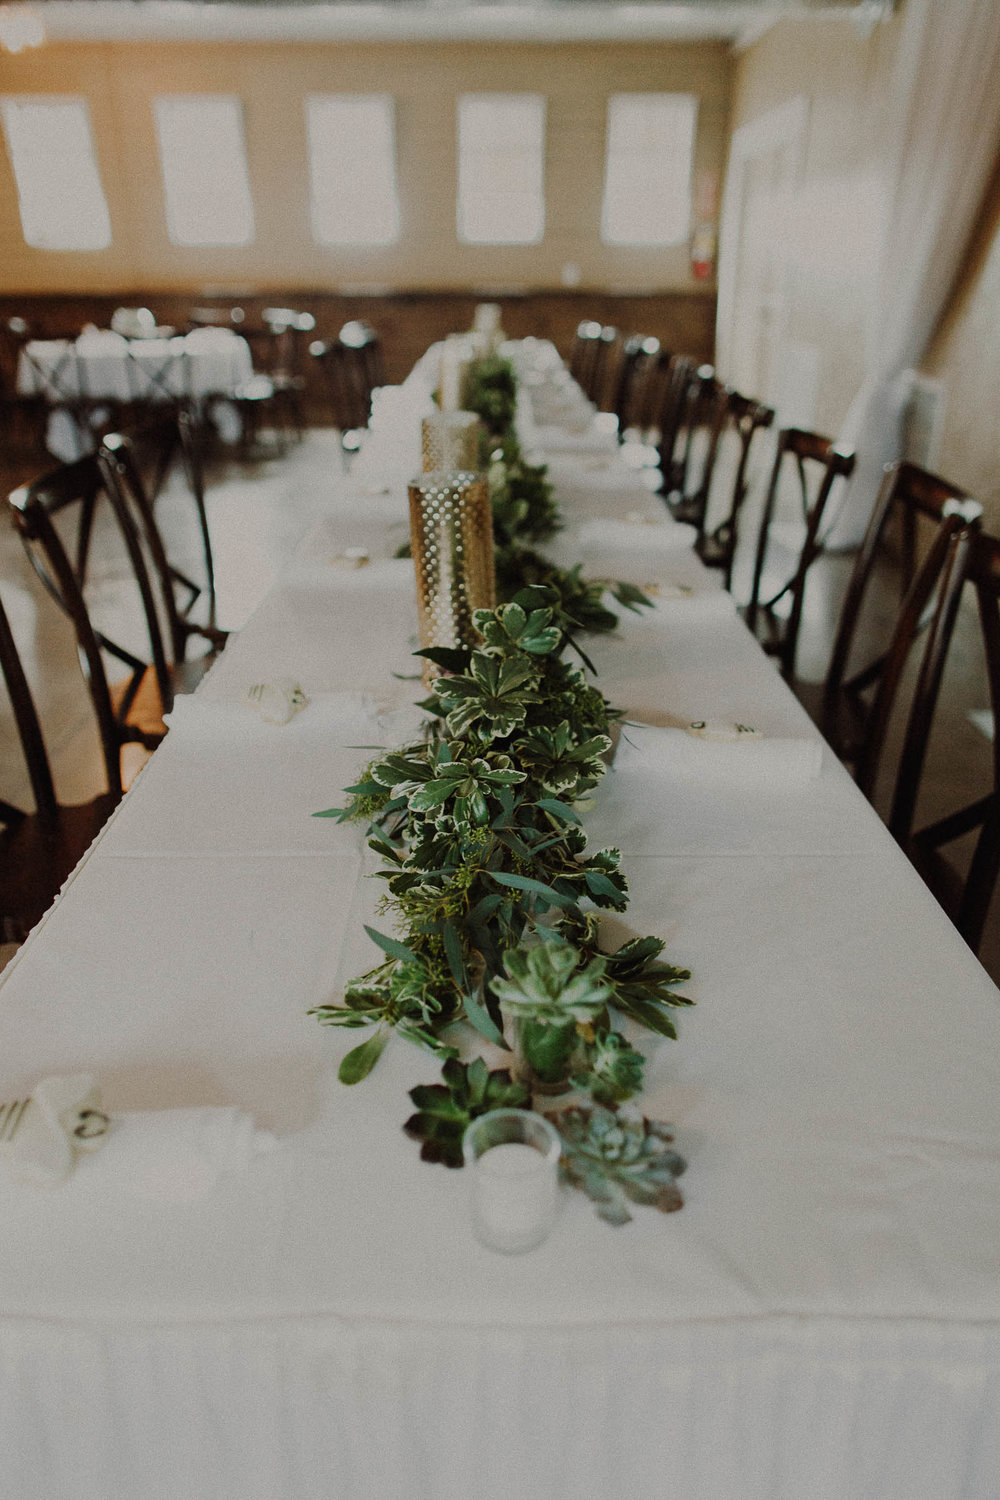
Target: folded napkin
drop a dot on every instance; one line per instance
(277, 702)
(735, 754)
(652, 536)
(176, 1155)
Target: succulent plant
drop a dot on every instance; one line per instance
(614, 1069)
(546, 983)
(617, 1157)
(550, 997)
(445, 1109)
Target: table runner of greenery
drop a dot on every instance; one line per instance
(488, 874)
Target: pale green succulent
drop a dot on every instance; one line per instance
(617, 1157)
(544, 983)
(614, 1069)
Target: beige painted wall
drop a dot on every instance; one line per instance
(832, 236)
(119, 80)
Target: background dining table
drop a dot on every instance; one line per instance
(821, 1319)
(104, 365)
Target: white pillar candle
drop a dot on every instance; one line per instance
(450, 379)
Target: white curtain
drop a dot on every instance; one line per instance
(946, 88)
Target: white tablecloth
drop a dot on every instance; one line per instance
(821, 1320)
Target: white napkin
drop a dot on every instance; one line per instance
(176, 1155)
(747, 760)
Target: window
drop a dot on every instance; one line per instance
(501, 139)
(59, 188)
(352, 169)
(204, 163)
(647, 172)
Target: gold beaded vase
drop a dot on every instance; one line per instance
(450, 440)
(451, 531)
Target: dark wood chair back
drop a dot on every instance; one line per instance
(671, 384)
(29, 730)
(906, 495)
(347, 371)
(966, 897)
(637, 358)
(688, 461)
(815, 464)
(745, 417)
(136, 465)
(584, 352)
(71, 495)
(39, 849)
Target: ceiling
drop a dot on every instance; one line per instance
(738, 22)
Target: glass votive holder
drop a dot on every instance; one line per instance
(512, 1158)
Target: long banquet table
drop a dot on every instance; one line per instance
(822, 1319)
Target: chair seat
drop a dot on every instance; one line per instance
(37, 856)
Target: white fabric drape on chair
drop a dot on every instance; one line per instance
(945, 79)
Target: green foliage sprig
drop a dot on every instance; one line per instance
(487, 870)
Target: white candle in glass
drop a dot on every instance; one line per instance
(513, 1157)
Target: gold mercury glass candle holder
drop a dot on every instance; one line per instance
(450, 440)
(451, 531)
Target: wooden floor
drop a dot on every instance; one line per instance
(257, 511)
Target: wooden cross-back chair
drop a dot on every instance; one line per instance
(638, 358)
(39, 849)
(69, 499)
(816, 464)
(852, 701)
(965, 896)
(689, 444)
(363, 339)
(350, 372)
(745, 418)
(137, 464)
(583, 355)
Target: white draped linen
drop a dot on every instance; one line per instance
(946, 105)
(821, 1319)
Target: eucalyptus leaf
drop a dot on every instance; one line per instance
(358, 1063)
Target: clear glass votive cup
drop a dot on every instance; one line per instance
(512, 1159)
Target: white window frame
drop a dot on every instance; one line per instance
(62, 209)
(476, 224)
(376, 222)
(631, 173)
(188, 225)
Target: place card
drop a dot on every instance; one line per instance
(277, 702)
(40, 1136)
(722, 733)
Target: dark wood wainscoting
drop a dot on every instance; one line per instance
(406, 321)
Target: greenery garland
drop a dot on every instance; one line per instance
(487, 871)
